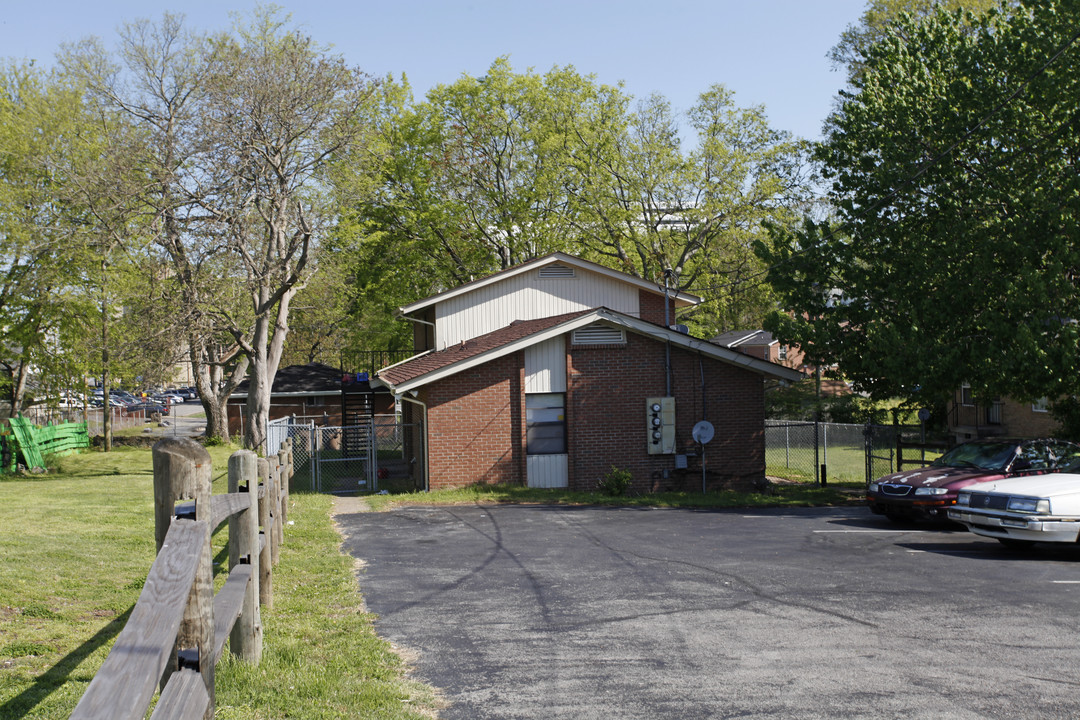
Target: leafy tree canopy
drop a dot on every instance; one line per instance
(851, 50)
(489, 172)
(954, 254)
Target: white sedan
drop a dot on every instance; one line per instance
(1024, 510)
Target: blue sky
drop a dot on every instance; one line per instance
(770, 52)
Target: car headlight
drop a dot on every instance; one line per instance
(873, 487)
(964, 498)
(1029, 505)
(931, 491)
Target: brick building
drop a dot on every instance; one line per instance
(550, 373)
(762, 344)
(1002, 417)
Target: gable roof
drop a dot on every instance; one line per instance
(310, 379)
(682, 299)
(735, 338)
(436, 365)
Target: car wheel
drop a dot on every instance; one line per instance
(1014, 544)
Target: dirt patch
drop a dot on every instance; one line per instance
(349, 504)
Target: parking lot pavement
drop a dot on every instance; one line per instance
(558, 612)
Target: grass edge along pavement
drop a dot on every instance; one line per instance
(78, 543)
(795, 494)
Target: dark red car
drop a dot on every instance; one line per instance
(927, 493)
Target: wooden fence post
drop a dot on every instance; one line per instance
(276, 472)
(286, 482)
(182, 471)
(266, 580)
(246, 636)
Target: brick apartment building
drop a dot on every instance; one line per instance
(550, 373)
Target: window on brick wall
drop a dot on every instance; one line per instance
(545, 423)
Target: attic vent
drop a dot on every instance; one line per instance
(556, 271)
(598, 334)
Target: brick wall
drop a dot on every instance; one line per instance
(651, 308)
(606, 412)
(476, 428)
(1021, 421)
(1018, 420)
(476, 425)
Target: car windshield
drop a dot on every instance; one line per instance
(983, 456)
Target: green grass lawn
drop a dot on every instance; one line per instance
(77, 547)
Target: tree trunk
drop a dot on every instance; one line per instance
(265, 357)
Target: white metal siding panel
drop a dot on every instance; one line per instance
(545, 367)
(547, 471)
(528, 297)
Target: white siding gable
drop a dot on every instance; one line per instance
(527, 296)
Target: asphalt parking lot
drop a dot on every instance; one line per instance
(555, 612)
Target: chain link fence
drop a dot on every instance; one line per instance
(844, 452)
(382, 454)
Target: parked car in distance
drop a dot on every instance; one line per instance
(927, 493)
(1021, 511)
(167, 397)
(147, 407)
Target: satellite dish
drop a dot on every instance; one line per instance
(703, 432)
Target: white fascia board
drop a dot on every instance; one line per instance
(762, 367)
(683, 298)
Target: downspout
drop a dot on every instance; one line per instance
(406, 398)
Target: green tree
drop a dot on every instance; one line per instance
(279, 108)
(157, 81)
(649, 207)
(53, 146)
(489, 172)
(855, 42)
(954, 255)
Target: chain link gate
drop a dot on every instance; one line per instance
(346, 458)
(380, 454)
(880, 451)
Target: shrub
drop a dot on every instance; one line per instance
(616, 482)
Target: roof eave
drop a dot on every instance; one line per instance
(734, 357)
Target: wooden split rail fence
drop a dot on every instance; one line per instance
(177, 630)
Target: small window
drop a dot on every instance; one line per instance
(783, 352)
(545, 423)
(1041, 405)
(966, 398)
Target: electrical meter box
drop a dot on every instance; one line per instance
(660, 425)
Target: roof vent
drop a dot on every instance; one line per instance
(555, 270)
(598, 334)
